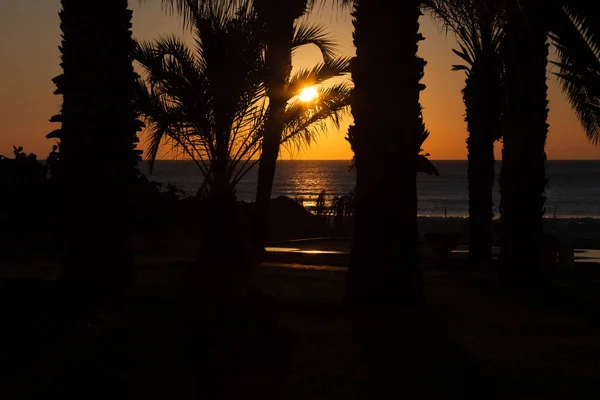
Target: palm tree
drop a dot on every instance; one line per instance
(523, 178)
(279, 18)
(385, 262)
(478, 27)
(524, 140)
(384, 282)
(209, 104)
(386, 71)
(576, 37)
(283, 36)
(558, 19)
(97, 142)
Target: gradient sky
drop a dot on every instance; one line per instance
(29, 38)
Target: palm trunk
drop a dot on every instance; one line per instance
(98, 137)
(384, 264)
(221, 244)
(384, 282)
(221, 268)
(483, 99)
(481, 180)
(523, 177)
(279, 20)
(266, 175)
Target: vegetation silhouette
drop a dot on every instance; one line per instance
(185, 103)
(204, 101)
(25, 198)
(523, 177)
(478, 26)
(95, 181)
(391, 274)
(481, 36)
(283, 36)
(229, 99)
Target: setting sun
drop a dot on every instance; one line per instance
(309, 94)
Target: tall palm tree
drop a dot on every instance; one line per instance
(203, 100)
(576, 37)
(523, 178)
(386, 72)
(283, 36)
(557, 19)
(97, 142)
(209, 103)
(279, 18)
(478, 27)
(384, 284)
(384, 265)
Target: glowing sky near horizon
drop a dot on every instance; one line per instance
(30, 35)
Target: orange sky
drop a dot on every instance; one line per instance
(29, 38)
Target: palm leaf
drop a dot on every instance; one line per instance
(579, 69)
(318, 74)
(456, 67)
(302, 128)
(318, 35)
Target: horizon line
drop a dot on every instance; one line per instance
(349, 160)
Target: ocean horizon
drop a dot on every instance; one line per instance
(572, 191)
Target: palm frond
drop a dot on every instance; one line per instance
(341, 3)
(464, 55)
(579, 69)
(457, 67)
(586, 17)
(305, 123)
(318, 35)
(319, 73)
(477, 24)
(201, 100)
(188, 9)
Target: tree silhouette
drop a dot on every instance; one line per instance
(97, 142)
(478, 27)
(573, 28)
(283, 37)
(210, 105)
(385, 263)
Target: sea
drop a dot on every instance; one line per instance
(573, 189)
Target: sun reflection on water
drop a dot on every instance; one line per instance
(308, 182)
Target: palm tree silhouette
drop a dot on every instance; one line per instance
(478, 27)
(523, 177)
(279, 18)
(385, 262)
(97, 136)
(284, 35)
(209, 103)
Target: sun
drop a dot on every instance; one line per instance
(309, 94)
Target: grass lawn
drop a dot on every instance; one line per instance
(476, 340)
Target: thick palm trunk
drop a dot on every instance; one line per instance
(484, 100)
(266, 175)
(384, 283)
(523, 177)
(98, 136)
(221, 268)
(279, 20)
(481, 180)
(384, 265)
(221, 244)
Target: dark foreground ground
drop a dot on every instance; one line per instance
(474, 341)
